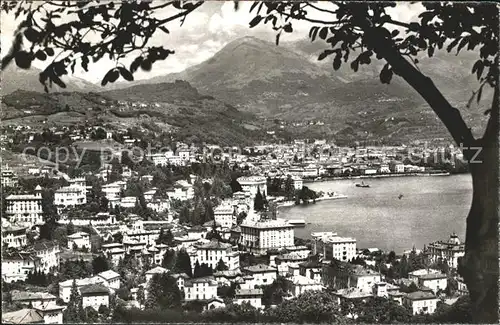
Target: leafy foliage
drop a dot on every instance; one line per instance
(121, 29)
(163, 292)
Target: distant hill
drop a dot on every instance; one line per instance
(181, 111)
(257, 78)
(14, 78)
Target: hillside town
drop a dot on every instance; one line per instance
(195, 231)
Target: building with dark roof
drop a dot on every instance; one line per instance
(420, 302)
(94, 295)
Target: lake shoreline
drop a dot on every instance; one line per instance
(337, 178)
(430, 209)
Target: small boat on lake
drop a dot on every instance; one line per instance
(297, 222)
(362, 185)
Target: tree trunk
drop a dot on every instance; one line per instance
(480, 265)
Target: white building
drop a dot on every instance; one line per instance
(65, 286)
(70, 196)
(139, 234)
(151, 273)
(114, 252)
(48, 253)
(128, 202)
(99, 219)
(298, 183)
(420, 302)
(35, 299)
(252, 184)
(112, 191)
(261, 275)
(25, 209)
(95, 296)
(333, 246)
(8, 178)
(448, 252)
(111, 279)
(159, 205)
(79, 240)
(364, 279)
(16, 266)
(251, 296)
(432, 279)
(261, 235)
(224, 216)
(213, 251)
(300, 284)
(51, 313)
(200, 288)
(14, 237)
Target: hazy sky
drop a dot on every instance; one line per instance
(204, 32)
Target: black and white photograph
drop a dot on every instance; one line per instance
(277, 162)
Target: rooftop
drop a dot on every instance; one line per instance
(208, 279)
(22, 316)
(432, 276)
(248, 292)
(109, 274)
(251, 179)
(157, 270)
(214, 244)
(79, 234)
(420, 295)
(94, 289)
(353, 293)
(26, 295)
(265, 224)
(302, 280)
(259, 268)
(19, 197)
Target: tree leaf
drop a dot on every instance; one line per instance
(386, 74)
(288, 28)
(40, 55)
(85, 63)
(430, 51)
(115, 74)
(106, 78)
(463, 42)
(325, 53)
(479, 71)
(23, 60)
(395, 33)
(31, 35)
(278, 39)
(313, 32)
(126, 74)
(136, 64)
(164, 29)
(414, 26)
(337, 62)
(146, 65)
(323, 33)
(480, 93)
(355, 65)
(255, 21)
(476, 65)
(453, 44)
(49, 51)
(58, 81)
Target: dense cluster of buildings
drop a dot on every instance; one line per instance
(304, 268)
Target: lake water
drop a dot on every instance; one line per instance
(431, 209)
